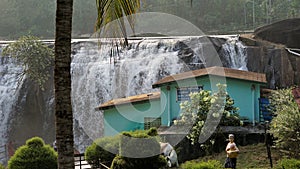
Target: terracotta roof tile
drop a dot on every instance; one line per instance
(218, 71)
(130, 99)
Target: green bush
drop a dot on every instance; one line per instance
(2, 167)
(139, 149)
(34, 155)
(139, 144)
(211, 164)
(288, 163)
(102, 150)
(285, 124)
(155, 162)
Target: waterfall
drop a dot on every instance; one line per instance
(9, 71)
(111, 71)
(235, 54)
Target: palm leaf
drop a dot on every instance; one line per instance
(116, 10)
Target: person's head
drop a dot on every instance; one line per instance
(231, 137)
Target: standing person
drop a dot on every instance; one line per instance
(232, 153)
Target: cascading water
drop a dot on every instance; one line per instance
(9, 71)
(103, 73)
(235, 54)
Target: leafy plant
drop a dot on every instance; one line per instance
(35, 57)
(217, 108)
(210, 164)
(286, 122)
(34, 155)
(102, 150)
(2, 167)
(139, 149)
(288, 163)
(105, 149)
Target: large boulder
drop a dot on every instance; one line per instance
(286, 32)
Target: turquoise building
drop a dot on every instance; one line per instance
(161, 108)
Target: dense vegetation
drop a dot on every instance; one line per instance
(212, 16)
(34, 155)
(285, 124)
(124, 151)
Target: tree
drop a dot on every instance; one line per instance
(202, 108)
(112, 9)
(285, 125)
(62, 85)
(35, 57)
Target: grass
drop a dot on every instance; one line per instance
(251, 156)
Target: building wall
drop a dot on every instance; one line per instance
(129, 117)
(244, 93)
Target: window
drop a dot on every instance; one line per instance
(184, 92)
(151, 122)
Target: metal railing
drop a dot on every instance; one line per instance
(80, 162)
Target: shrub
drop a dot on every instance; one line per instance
(139, 149)
(2, 167)
(285, 125)
(139, 144)
(288, 163)
(34, 155)
(155, 162)
(211, 164)
(102, 150)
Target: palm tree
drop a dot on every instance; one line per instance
(62, 85)
(108, 10)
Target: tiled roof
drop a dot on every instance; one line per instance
(130, 99)
(217, 71)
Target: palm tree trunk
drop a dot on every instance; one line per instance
(62, 85)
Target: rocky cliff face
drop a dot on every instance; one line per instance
(282, 68)
(270, 54)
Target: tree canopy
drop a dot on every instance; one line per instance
(211, 16)
(35, 57)
(285, 126)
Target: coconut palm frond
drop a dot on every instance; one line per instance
(116, 10)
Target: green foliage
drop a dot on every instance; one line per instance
(35, 57)
(218, 108)
(156, 162)
(286, 121)
(34, 155)
(18, 17)
(139, 149)
(210, 164)
(288, 163)
(2, 167)
(137, 142)
(102, 150)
